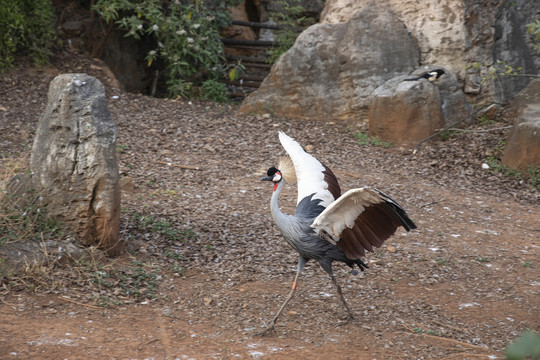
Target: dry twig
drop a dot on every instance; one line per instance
(463, 355)
(448, 326)
(448, 127)
(189, 167)
(79, 303)
(457, 342)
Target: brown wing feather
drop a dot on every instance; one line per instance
(347, 246)
(332, 181)
(372, 227)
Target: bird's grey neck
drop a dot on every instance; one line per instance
(283, 221)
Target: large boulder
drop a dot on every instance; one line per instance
(332, 69)
(522, 151)
(468, 37)
(404, 112)
(73, 161)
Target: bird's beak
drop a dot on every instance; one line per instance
(267, 178)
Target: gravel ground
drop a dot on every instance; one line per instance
(206, 267)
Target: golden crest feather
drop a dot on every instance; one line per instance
(286, 167)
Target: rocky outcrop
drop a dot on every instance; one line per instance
(404, 112)
(333, 68)
(359, 44)
(467, 37)
(522, 151)
(73, 161)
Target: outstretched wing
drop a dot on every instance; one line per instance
(313, 177)
(361, 219)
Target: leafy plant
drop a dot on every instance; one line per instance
(497, 70)
(445, 135)
(136, 279)
(533, 174)
(442, 261)
(171, 254)
(527, 346)
(162, 227)
(186, 35)
(289, 19)
(365, 139)
(121, 148)
(534, 30)
(28, 28)
(215, 91)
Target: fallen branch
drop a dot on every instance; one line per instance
(448, 326)
(189, 167)
(79, 303)
(457, 342)
(8, 304)
(449, 127)
(463, 355)
(408, 328)
(481, 131)
(147, 343)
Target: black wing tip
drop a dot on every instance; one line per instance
(401, 215)
(398, 211)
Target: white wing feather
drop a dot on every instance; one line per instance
(309, 172)
(343, 212)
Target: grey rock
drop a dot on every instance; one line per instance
(405, 111)
(332, 69)
(73, 161)
(522, 151)
(408, 111)
(469, 37)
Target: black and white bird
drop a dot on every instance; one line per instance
(329, 226)
(430, 75)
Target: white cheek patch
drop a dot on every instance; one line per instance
(277, 177)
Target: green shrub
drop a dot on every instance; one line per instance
(365, 139)
(186, 33)
(215, 91)
(289, 18)
(534, 30)
(527, 346)
(27, 28)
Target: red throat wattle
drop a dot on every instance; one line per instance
(275, 186)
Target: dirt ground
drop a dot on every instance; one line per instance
(462, 286)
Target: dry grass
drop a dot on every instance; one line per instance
(18, 211)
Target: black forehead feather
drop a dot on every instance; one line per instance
(272, 171)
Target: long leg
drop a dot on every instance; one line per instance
(326, 264)
(338, 288)
(301, 262)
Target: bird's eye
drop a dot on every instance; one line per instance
(277, 177)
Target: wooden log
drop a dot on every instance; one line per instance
(257, 24)
(242, 42)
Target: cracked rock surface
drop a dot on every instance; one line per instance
(73, 160)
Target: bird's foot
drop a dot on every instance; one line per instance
(267, 331)
(348, 320)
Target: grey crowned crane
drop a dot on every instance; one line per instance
(327, 225)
